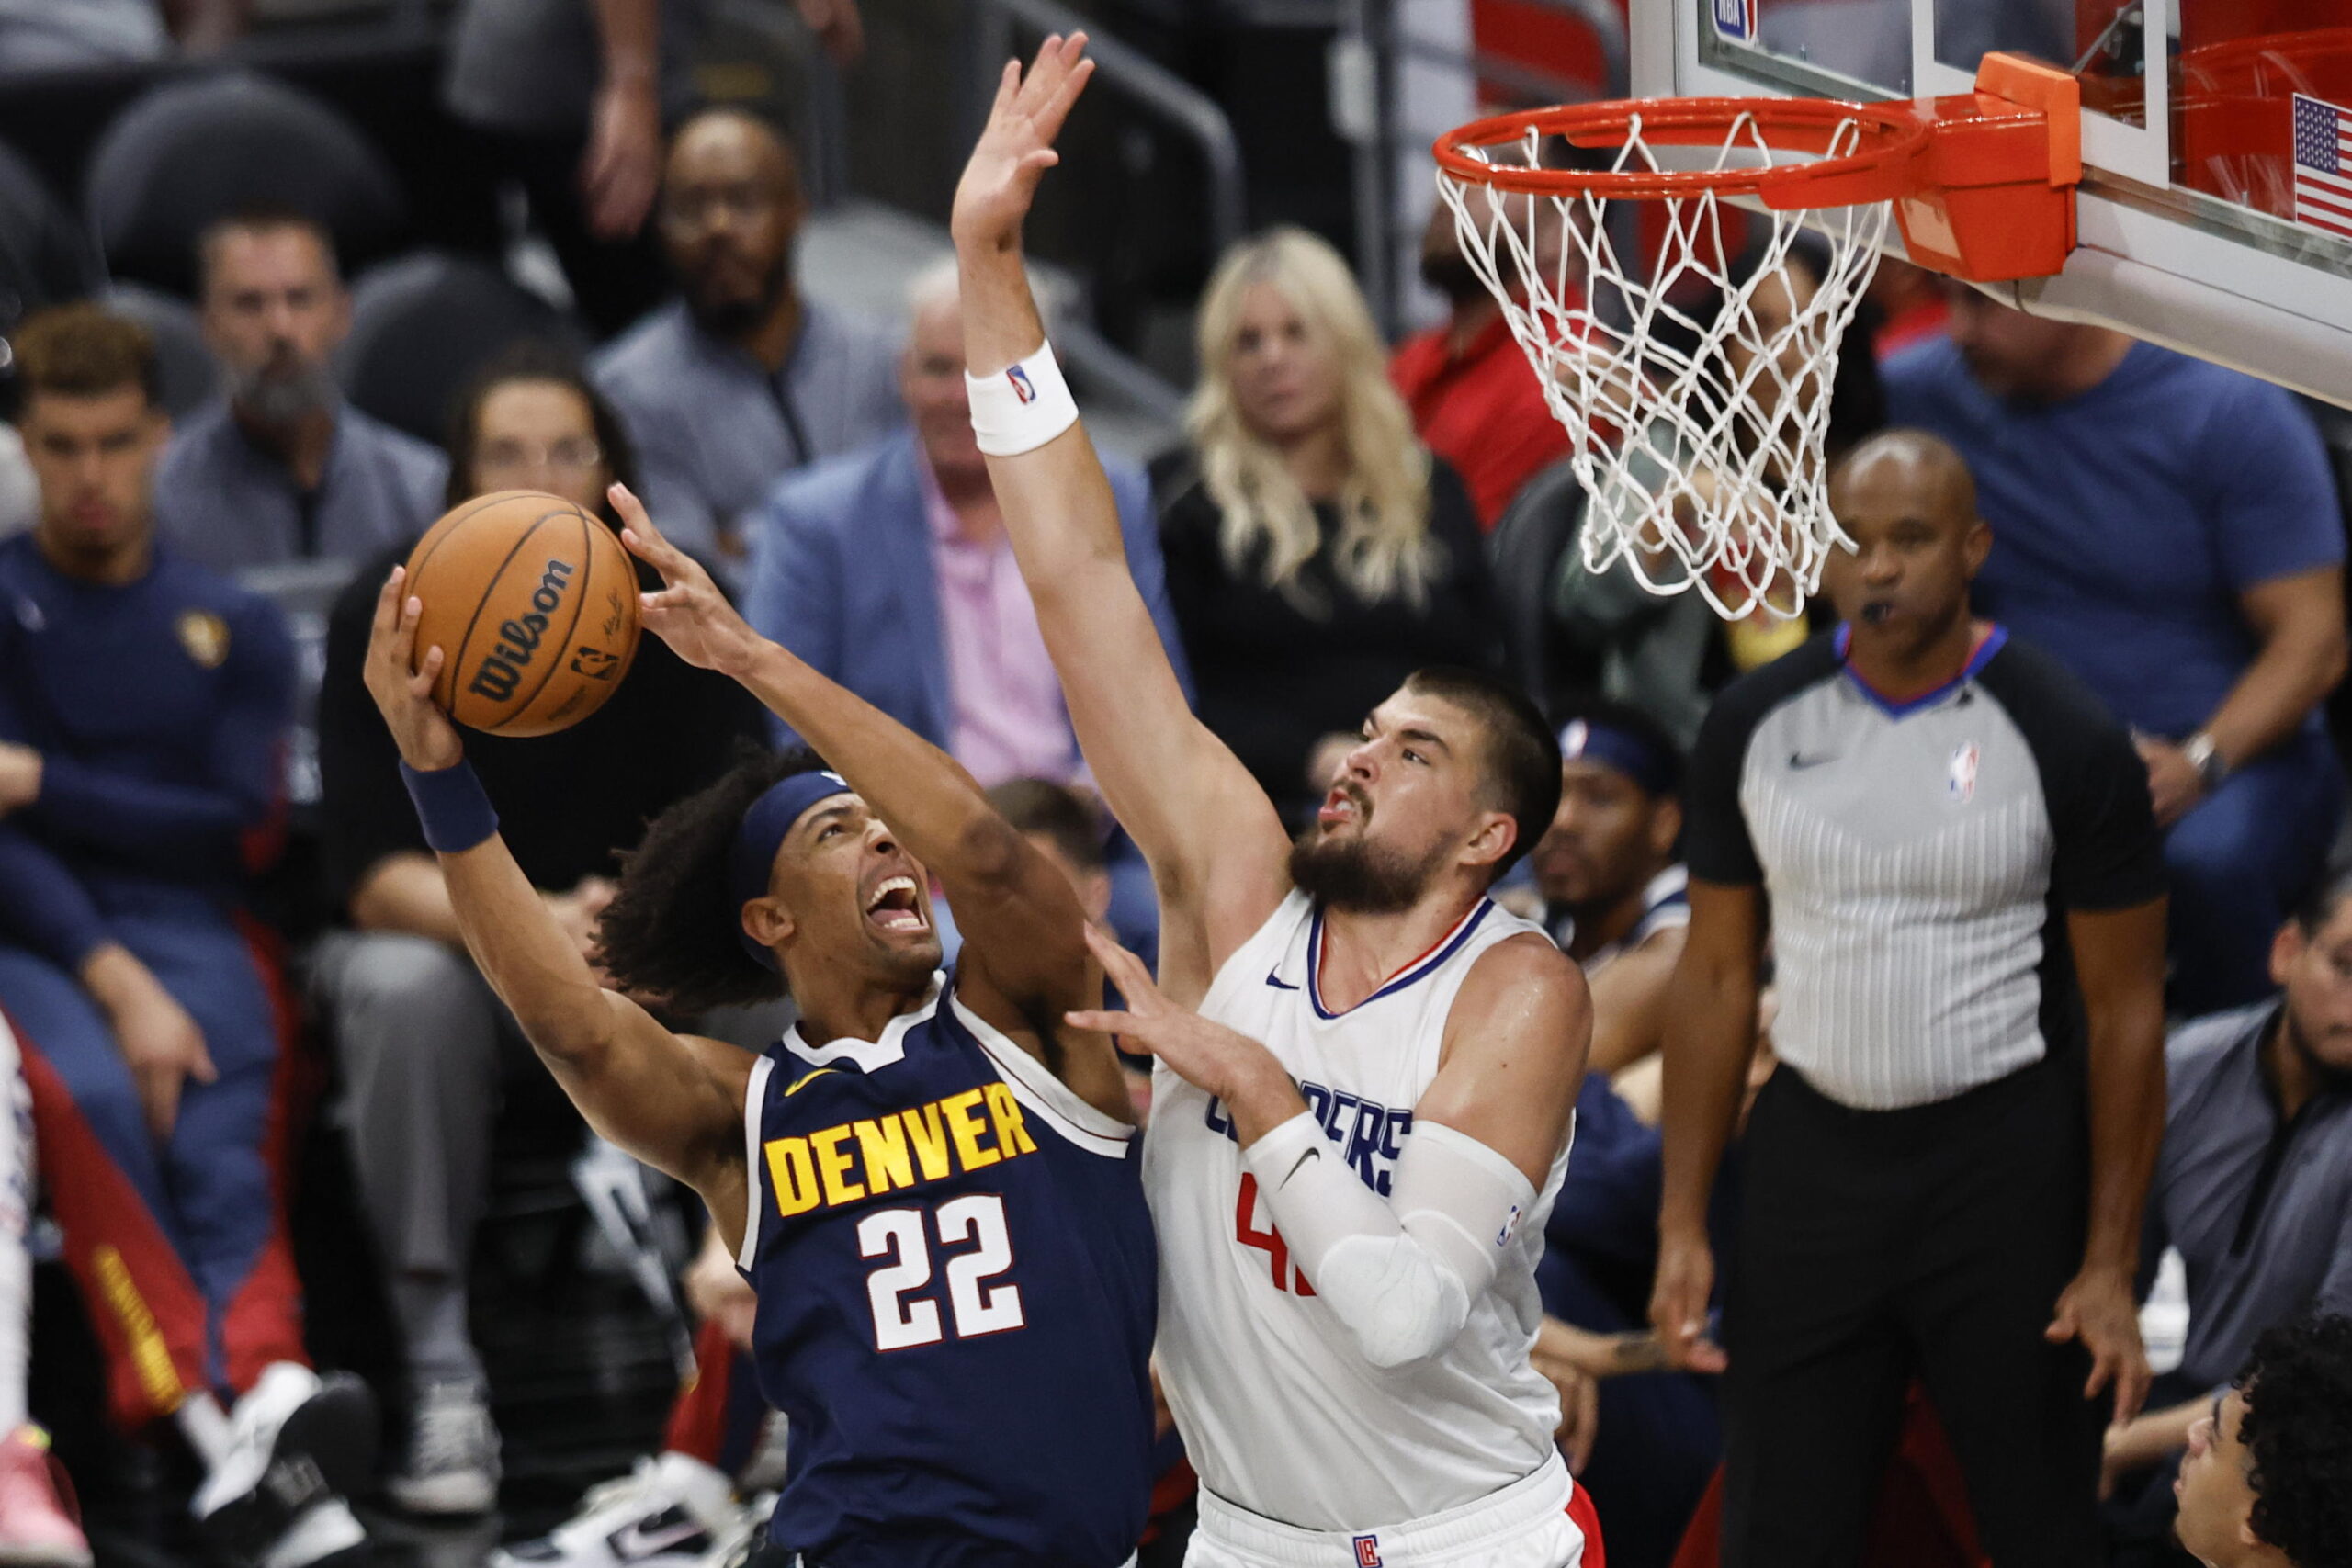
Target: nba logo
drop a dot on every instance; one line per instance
(1960, 779)
(1735, 19)
(1020, 387)
(1367, 1551)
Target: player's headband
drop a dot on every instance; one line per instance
(762, 833)
(1638, 758)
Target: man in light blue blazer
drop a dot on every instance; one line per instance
(888, 569)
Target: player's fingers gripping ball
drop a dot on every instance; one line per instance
(534, 606)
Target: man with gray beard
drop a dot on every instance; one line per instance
(280, 469)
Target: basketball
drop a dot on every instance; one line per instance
(533, 603)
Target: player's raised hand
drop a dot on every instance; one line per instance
(401, 683)
(1201, 1051)
(1016, 147)
(689, 614)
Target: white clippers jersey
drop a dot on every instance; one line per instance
(1280, 1412)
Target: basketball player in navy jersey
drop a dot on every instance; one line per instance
(934, 1180)
(1367, 1067)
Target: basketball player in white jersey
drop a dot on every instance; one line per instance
(1367, 1069)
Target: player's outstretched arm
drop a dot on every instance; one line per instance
(674, 1102)
(1023, 955)
(1401, 1272)
(1216, 848)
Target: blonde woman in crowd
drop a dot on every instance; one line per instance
(1316, 552)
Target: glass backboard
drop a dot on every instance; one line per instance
(2215, 213)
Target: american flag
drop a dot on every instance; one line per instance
(2323, 165)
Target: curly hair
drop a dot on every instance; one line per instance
(671, 931)
(2297, 1427)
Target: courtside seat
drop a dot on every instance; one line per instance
(424, 324)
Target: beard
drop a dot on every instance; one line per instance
(1354, 875)
(279, 393)
(732, 317)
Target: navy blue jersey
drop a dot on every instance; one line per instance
(956, 1285)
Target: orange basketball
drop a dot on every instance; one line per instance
(533, 603)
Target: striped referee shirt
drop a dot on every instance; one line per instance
(1918, 858)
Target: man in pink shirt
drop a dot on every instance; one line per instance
(888, 569)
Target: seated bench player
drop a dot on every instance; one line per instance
(143, 706)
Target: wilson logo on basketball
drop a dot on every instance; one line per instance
(501, 669)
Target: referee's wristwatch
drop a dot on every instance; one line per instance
(2206, 758)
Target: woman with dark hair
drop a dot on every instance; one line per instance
(425, 1047)
(531, 420)
(1669, 655)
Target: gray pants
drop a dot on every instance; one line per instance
(425, 1047)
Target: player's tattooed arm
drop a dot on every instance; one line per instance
(674, 1102)
(1023, 964)
(1216, 848)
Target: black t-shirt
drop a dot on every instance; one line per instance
(566, 802)
(1273, 678)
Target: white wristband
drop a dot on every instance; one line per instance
(1022, 406)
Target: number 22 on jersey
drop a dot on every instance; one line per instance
(975, 1306)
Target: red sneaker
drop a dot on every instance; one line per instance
(36, 1528)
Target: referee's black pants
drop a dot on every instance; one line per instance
(1877, 1244)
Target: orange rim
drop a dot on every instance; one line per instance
(1891, 134)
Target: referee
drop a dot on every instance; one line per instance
(1952, 844)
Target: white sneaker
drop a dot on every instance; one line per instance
(667, 1513)
(733, 1546)
(452, 1464)
(300, 1444)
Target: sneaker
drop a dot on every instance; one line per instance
(745, 1533)
(37, 1528)
(452, 1464)
(299, 1445)
(668, 1513)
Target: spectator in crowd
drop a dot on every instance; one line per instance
(34, 1526)
(281, 469)
(1317, 553)
(888, 569)
(2168, 529)
(2263, 1486)
(142, 705)
(742, 378)
(1668, 656)
(1947, 1170)
(1614, 899)
(2252, 1184)
(424, 1045)
(568, 98)
(1474, 398)
(1614, 896)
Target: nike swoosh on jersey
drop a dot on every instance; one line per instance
(1278, 983)
(797, 1085)
(1799, 760)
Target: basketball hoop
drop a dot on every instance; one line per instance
(1699, 442)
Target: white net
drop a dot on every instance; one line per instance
(1697, 412)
